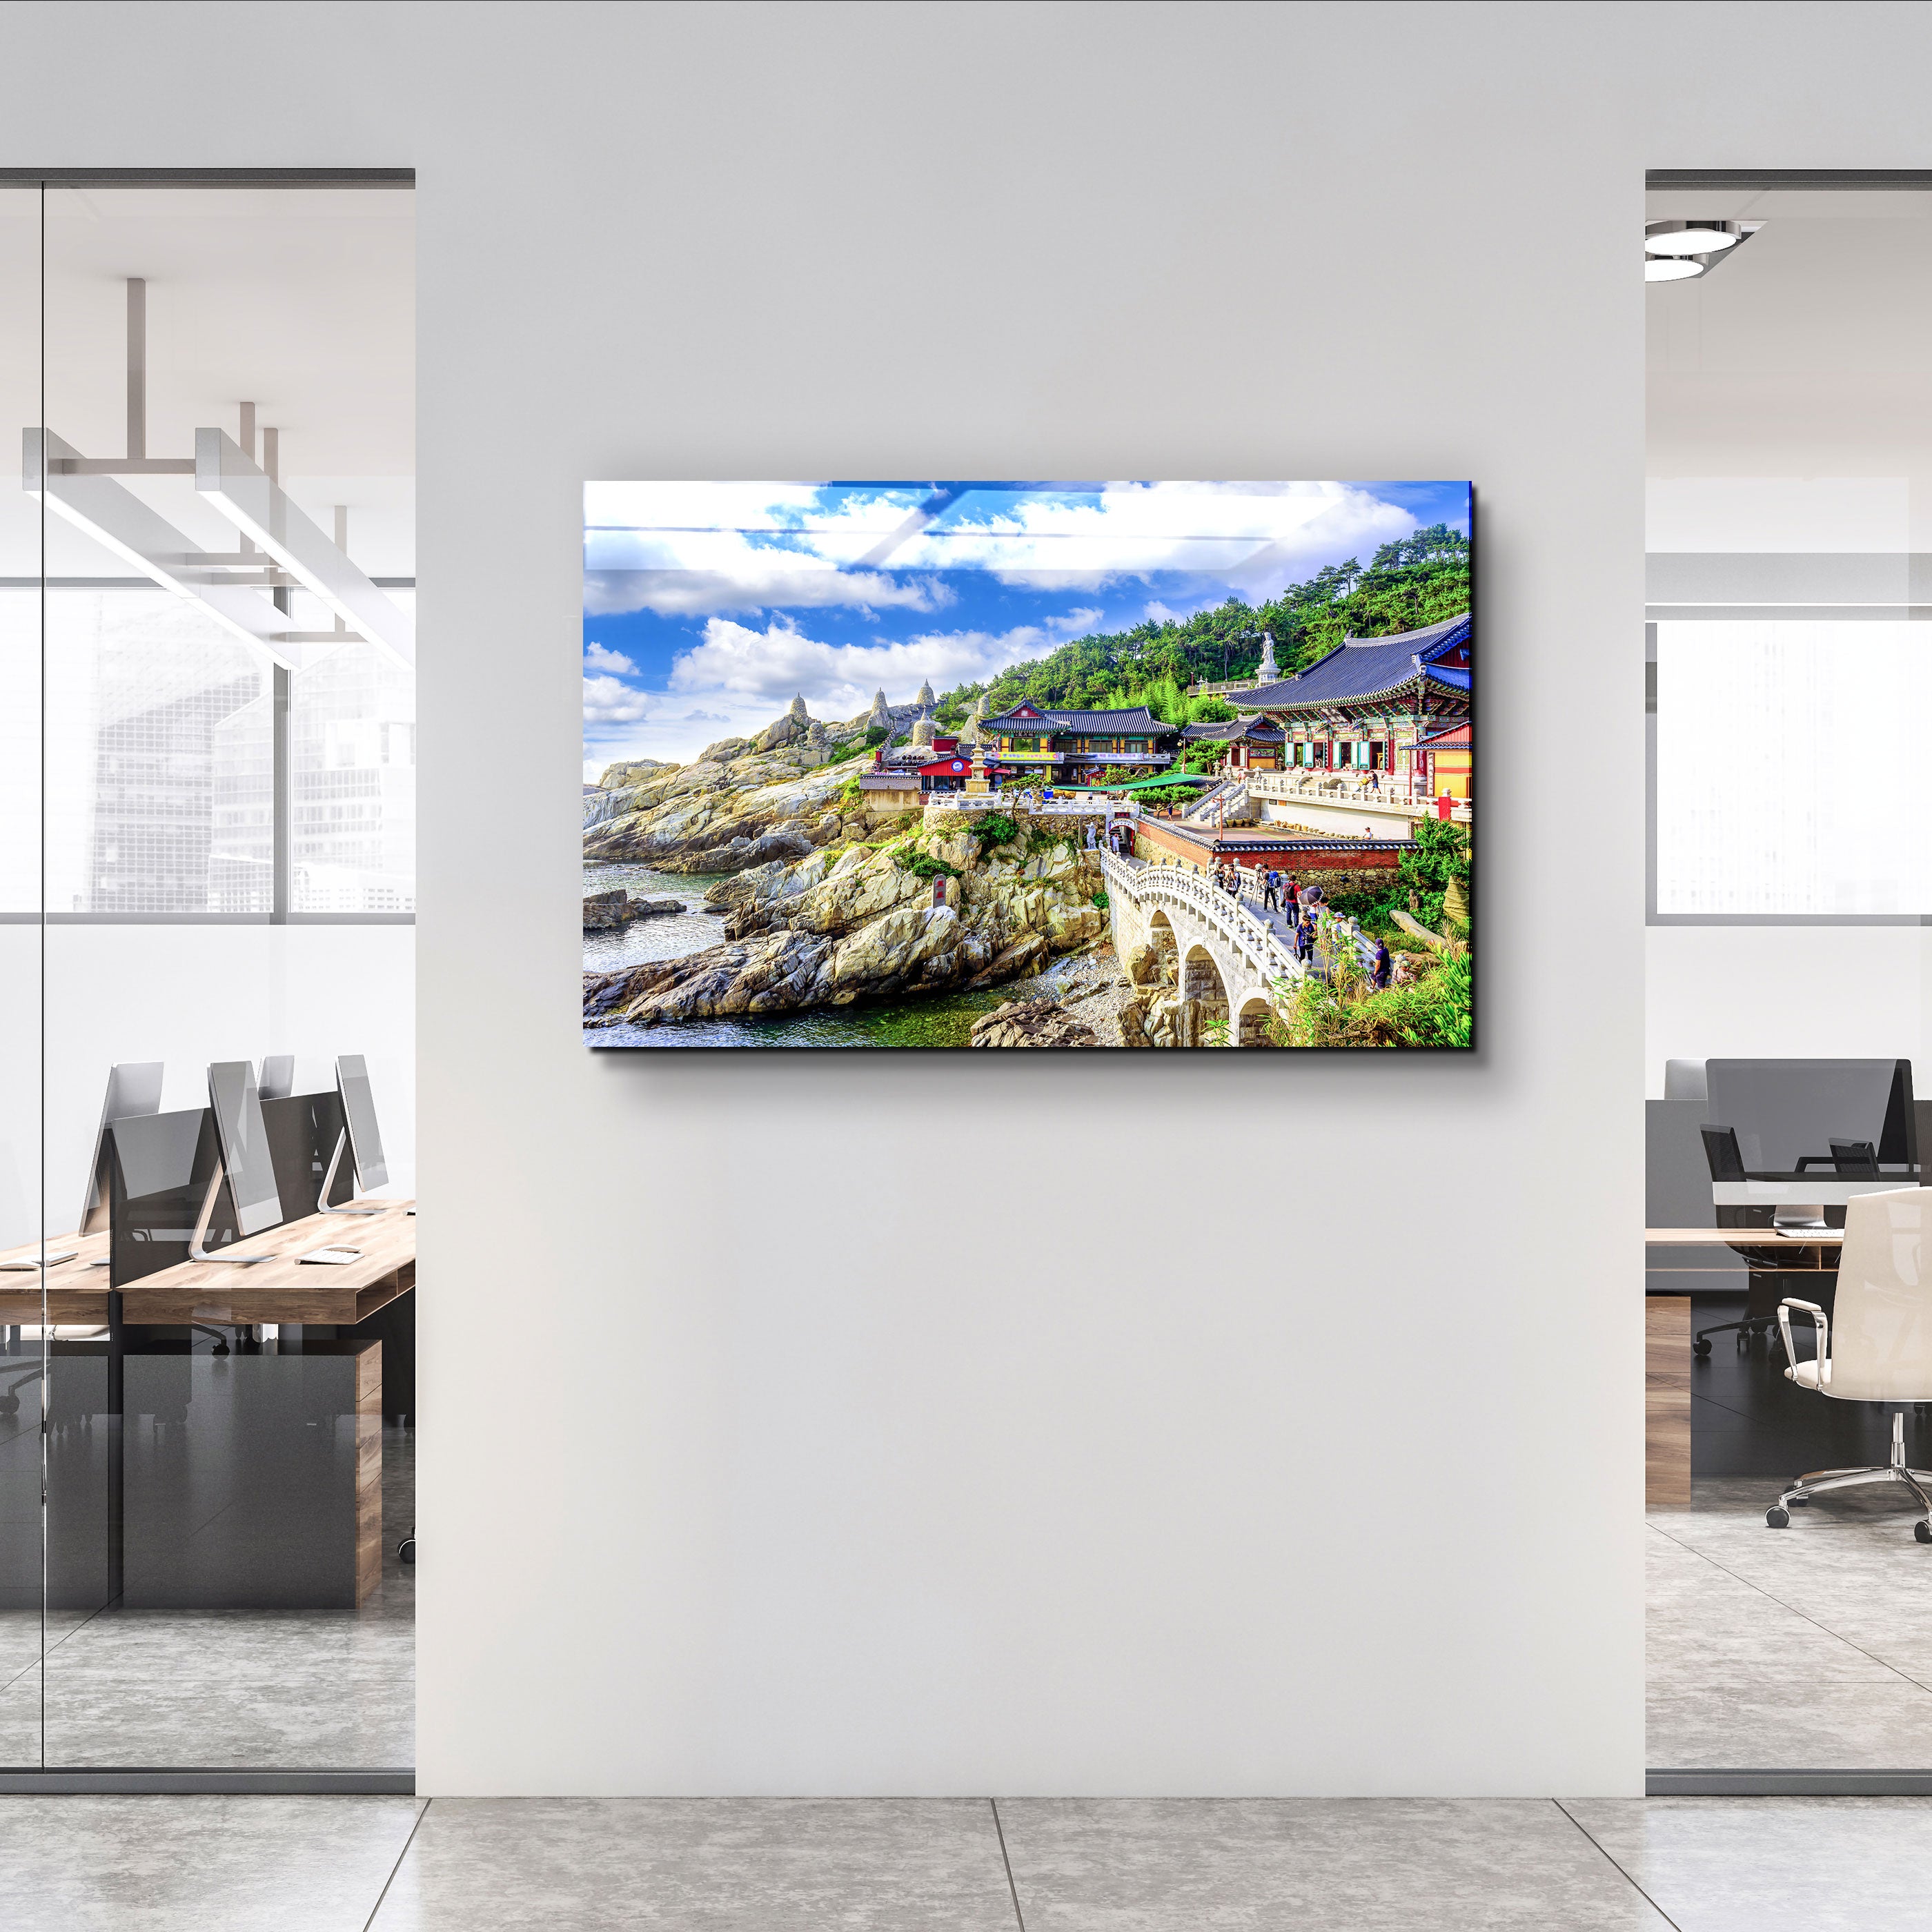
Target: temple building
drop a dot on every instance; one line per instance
(1057, 747)
(1251, 744)
(1392, 706)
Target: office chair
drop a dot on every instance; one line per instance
(1770, 1276)
(1875, 1345)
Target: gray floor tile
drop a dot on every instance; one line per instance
(1760, 1722)
(196, 1864)
(1773, 1865)
(1343, 1864)
(1806, 1647)
(702, 1865)
(229, 1687)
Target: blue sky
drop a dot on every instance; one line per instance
(707, 605)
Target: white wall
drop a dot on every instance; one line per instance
(188, 994)
(1773, 992)
(765, 1449)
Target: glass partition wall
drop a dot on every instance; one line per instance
(1789, 534)
(207, 899)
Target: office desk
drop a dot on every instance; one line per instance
(1667, 1337)
(288, 1440)
(1744, 1237)
(284, 1289)
(77, 1293)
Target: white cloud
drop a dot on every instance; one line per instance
(598, 658)
(608, 701)
(699, 549)
(691, 549)
(758, 579)
(1248, 534)
(771, 664)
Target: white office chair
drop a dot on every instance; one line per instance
(1876, 1346)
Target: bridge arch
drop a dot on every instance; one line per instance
(1251, 1020)
(1221, 958)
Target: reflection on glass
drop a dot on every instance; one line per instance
(215, 1581)
(355, 752)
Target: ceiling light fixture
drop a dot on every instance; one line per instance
(1697, 238)
(236, 588)
(259, 508)
(1680, 251)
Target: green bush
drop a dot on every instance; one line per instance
(1438, 1010)
(1101, 903)
(922, 865)
(1436, 858)
(994, 828)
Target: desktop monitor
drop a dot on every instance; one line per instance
(236, 1104)
(359, 1108)
(134, 1088)
(278, 1076)
(161, 1164)
(1797, 1118)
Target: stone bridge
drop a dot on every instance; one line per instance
(1227, 959)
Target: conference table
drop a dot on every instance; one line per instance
(1667, 1336)
(269, 1414)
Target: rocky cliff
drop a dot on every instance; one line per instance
(745, 802)
(930, 910)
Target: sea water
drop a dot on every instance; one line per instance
(943, 1019)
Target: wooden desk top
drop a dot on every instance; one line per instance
(77, 1294)
(284, 1289)
(1747, 1237)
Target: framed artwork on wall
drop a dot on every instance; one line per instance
(1157, 765)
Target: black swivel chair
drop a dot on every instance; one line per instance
(1770, 1275)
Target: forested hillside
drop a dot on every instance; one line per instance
(1416, 581)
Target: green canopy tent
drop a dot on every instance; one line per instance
(1145, 784)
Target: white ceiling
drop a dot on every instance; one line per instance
(1807, 355)
(301, 301)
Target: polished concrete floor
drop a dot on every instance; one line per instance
(260, 1689)
(1805, 1648)
(395, 1864)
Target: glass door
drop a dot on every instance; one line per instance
(22, 1349)
(210, 948)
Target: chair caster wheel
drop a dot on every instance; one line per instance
(1700, 1347)
(406, 1550)
(1923, 1531)
(1776, 1518)
(10, 1405)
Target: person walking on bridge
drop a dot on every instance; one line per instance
(1271, 891)
(1291, 900)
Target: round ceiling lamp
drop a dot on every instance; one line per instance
(1698, 239)
(1670, 267)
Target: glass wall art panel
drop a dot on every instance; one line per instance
(956, 764)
